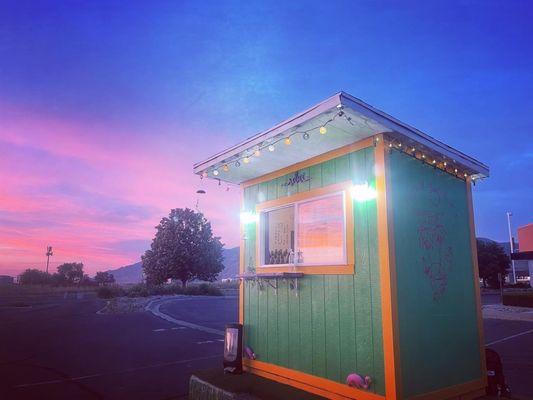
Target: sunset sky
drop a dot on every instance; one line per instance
(104, 106)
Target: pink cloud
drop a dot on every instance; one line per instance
(95, 193)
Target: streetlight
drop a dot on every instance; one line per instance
(48, 254)
(509, 215)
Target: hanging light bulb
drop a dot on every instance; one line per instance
(399, 145)
(413, 149)
(246, 160)
(306, 136)
(445, 163)
(237, 163)
(390, 144)
(423, 156)
(225, 168)
(257, 153)
(271, 147)
(204, 174)
(322, 130)
(465, 174)
(288, 141)
(455, 170)
(434, 162)
(215, 172)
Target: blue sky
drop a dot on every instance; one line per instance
(100, 97)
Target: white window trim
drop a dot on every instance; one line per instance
(295, 204)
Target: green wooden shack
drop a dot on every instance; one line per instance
(358, 256)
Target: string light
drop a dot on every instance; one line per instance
(237, 163)
(322, 130)
(423, 158)
(246, 160)
(306, 136)
(215, 172)
(288, 141)
(271, 148)
(225, 168)
(257, 153)
(204, 174)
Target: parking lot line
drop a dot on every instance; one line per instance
(509, 337)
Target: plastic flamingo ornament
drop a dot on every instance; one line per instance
(357, 381)
(249, 353)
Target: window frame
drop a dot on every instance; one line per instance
(346, 266)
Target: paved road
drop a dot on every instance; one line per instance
(513, 340)
(61, 349)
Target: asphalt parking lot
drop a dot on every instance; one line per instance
(58, 347)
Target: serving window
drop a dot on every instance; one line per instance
(310, 232)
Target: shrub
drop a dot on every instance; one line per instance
(109, 292)
(519, 299)
(203, 289)
(139, 290)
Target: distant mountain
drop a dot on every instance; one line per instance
(128, 274)
(133, 273)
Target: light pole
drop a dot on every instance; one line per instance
(48, 254)
(509, 215)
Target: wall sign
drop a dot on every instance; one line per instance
(298, 177)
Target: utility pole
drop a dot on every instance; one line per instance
(48, 254)
(511, 242)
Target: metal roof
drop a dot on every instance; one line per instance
(359, 121)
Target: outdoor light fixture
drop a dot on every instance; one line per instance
(363, 192)
(248, 217)
(306, 136)
(322, 130)
(233, 349)
(271, 147)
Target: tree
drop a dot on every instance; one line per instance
(104, 278)
(184, 248)
(492, 260)
(71, 273)
(33, 276)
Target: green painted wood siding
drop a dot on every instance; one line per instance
(333, 326)
(439, 345)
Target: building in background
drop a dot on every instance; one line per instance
(524, 257)
(6, 280)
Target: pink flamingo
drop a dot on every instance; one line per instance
(357, 381)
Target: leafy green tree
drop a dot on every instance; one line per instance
(184, 249)
(104, 278)
(71, 273)
(492, 260)
(33, 276)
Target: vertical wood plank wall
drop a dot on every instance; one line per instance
(333, 327)
(438, 331)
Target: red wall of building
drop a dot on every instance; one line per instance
(525, 237)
